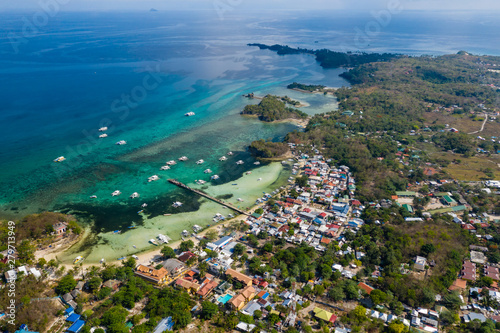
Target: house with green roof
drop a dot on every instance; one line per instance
(409, 208)
(324, 315)
(449, 201)
(406, 193)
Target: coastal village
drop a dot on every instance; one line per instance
(388, 223)
(256, 275)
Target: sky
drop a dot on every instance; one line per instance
(91, 5)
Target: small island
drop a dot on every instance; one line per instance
(311, 88)
(273, 108)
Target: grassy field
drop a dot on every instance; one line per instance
(468, 169)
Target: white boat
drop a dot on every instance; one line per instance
(214, 177)
(102, 129)
(189, 114)
(102, 261)
(256, 163)
(163, 239)
(200, 162)
(60, 159)
(230, 153)
(121, 142)
(115, 193)
(177, 204)
(153, 178)
(200, 182)
(171, 162)
(240, 162)
(93, 196)
(185, 233)
(103, 135)
(183, 158)
(207, 171)
(165, 167)
(240, 199)
(259, 179)
(249, 172)
(144, 205)
(134, 195)
(152, 241)
(223, 158)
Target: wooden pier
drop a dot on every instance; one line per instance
(220, 202)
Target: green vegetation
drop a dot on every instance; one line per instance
(330, 59)
(306, 87)
(268, 149)
(272, 108)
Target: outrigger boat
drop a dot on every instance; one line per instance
(77, 260)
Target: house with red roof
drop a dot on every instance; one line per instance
(365, 287)
(468, 226)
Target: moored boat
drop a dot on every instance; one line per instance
(102, 129)
(154, 242)
(240, 162)
(135, 195)
(214, 177)
(171, 162)
(77, 260)
(121, 142)
(223, 158)
(165, 167)
(183, 158)
(60, 159)
(153, 178)
(207, 171)
(177, 204)
(103, 135)
(189, 114)
(115, 193)
(200, 162)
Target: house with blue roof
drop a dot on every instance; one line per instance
(76, 327)
(69, 311)
(220, 243)
(74, 317)
(24, 329)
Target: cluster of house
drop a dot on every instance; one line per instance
(12, 275)
(74, 319)
(170, 270)
(469, 274)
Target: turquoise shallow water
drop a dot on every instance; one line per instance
(138, 79)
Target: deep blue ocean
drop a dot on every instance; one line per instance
(139, 73)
